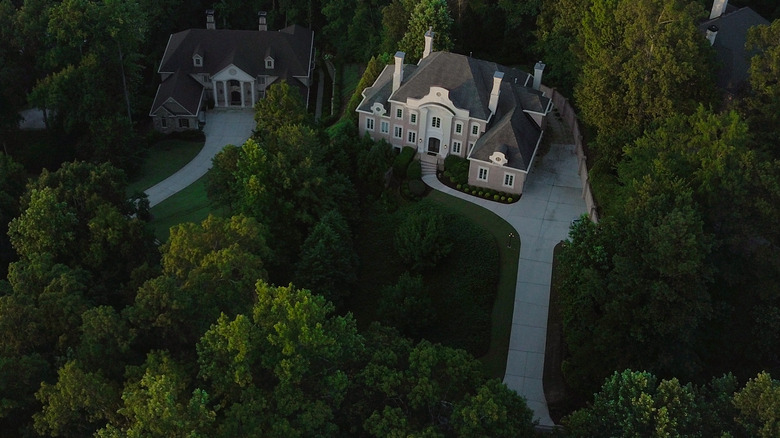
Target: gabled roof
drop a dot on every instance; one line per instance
(182, 89)
(729, 45)
(246, 49)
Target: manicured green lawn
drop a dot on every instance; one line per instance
(501, 318)
(472, 289)
(189, 205)
(163, 160)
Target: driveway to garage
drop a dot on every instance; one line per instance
(552, 197)
(223, 127)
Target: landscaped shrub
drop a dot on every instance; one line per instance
(402, 161)
(458, 169)
(460, 186)
(503, 198)
(496, 197)
(508, 199)
(414, 171)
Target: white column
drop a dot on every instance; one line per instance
(254, 98)
(241, 84)
(224, 88)
(214, 92)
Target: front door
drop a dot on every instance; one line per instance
(433, 145)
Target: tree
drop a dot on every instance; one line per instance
(281, 106)
(328, 262)
(208, 269)
(78, 404)
(759, 406)
(421, 240)
(12, 181)
(559, 41)
(633, 403)
(81, 216)
(642, 61)
(159, 403)
(494, 410)
(427, 14)
(407, 305)
(763, 104)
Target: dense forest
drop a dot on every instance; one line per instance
(240, 325)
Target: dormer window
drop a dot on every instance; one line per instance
(269, 63)
(197, 61)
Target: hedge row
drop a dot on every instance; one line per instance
(486, 193)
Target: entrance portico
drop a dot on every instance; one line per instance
(232, 87)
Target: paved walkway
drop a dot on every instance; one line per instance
(552, 197)
(222, 127)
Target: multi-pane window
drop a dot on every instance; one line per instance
(384, 127)
(459, 128)
(411, 137)
(475, 130)
(184, 123)
(413, 118)
(370, 124)
(456, 147)
(399, 113)
(398, 132)
(483, 174)
(163, 122)
(436, 122)
(509, 180)
(471, 146)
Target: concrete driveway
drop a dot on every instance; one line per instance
(552, 197)
(222, 127)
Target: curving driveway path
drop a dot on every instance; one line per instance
(552, 198)
(222, 127)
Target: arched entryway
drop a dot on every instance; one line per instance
(433, 145)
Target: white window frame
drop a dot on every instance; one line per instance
(509, 180)
(413, 118)
(456, 146)
(459, 128)
(384, 127)
(197, 61)
(399, 113)
(184, 123)
(370, 123)
(475, 130)
(269, 63)
(411, 137)
(398, 131)
(471, 146)
(436, 122)
(482, 170)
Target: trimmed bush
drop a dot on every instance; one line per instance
(496, 197)
(503, 198)
(508, 199)
(414, 171)
(458, 169)
(402, 161)
(460, 186)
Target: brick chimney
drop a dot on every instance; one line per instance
(428, 42)
(712, 32)
(261, 24)
(493, 103)
(538, 69)
(210, 19)
(398, 74)
(718, 8)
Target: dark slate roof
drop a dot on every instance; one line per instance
(382, 88)
(468, 79)
(183, 89)
(729, 45)
(512, 133)
(246, 49)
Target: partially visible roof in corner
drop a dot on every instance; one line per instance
(729, 45)
(181, 88)
(246, 49)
